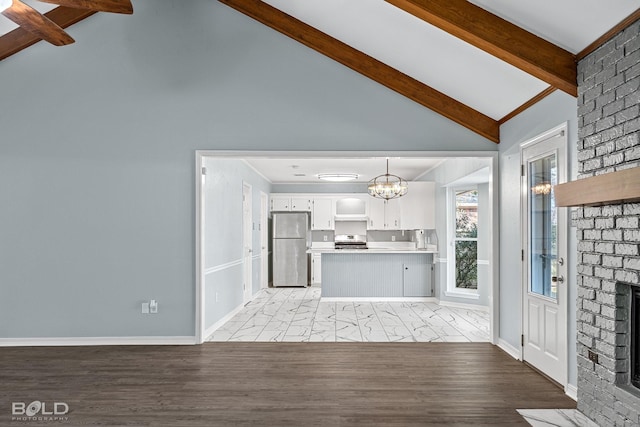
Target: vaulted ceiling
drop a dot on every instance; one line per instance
(477, 62)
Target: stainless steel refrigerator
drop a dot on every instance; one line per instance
(290, 244)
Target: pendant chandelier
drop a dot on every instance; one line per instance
(387, 186)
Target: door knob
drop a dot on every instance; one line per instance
(555, 279)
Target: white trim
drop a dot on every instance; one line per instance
(467, 295)
(223, 266)
(379, 299)
(200, 261)
(249, 154)
(442, 260)
(463, 305)
(211, 329)
(571, 391)
(494, 291)
(89, 341)
(256, 257)
(509, 349)
(483, 262)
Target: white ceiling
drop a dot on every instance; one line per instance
(570, 24)
(448, 64)
(305, 170)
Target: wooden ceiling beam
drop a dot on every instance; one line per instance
(369, 67)
(500, 38)
(19, 39)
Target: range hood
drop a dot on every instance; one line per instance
(351, 217)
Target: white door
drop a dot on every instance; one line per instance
(247, 241)
(264, 243)
(544, 231)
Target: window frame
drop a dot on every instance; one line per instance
(452, 289)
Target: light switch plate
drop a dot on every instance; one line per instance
(145, 308)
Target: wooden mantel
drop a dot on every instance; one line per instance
(607, 189)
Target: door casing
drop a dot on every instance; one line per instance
(554, 140)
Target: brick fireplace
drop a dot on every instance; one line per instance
(608, 236)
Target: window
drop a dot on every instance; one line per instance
(463, 214)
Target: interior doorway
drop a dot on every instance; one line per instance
(240, 261)
(264, 240)
(247, 238)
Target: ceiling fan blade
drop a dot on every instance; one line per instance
(36, 23)
(113, 6)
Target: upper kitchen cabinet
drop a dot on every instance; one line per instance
(288, 203)
(322, 214)
(302, 204)
(418, 206)
(384, 214)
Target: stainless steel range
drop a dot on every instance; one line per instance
(351, 241)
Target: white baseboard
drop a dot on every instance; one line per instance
(211, 329)
(509, 349)
(462, 305)
(91, 341)
(571, 391)
(378, 299)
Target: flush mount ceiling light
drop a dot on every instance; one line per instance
(387, 186)
(338, 177)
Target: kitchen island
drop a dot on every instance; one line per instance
(376, 273)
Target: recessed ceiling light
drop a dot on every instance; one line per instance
(338, 177)
(299, 174)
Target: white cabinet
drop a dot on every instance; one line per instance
(418, 206)
(302, 204)
(287, 203)
(316, 268)
(322, 214)
(384, 214)
(279, 203)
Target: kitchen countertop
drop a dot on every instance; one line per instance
(371, 251)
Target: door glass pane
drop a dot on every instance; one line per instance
(543, 226)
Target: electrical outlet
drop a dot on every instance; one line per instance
(326, 237)
(393, 238)
(593, 356)
(145, 308)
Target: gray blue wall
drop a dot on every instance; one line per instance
(98, 146)
(552, 111)
(222, 236)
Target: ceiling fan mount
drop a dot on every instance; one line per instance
(35, 22)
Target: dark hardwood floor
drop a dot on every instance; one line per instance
(277, 384)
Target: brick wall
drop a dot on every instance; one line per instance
(608, 236)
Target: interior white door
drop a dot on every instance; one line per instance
(247, 241)
(264, 242)
(544, 231)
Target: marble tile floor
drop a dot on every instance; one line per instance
(298, 315)
(556, 418)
